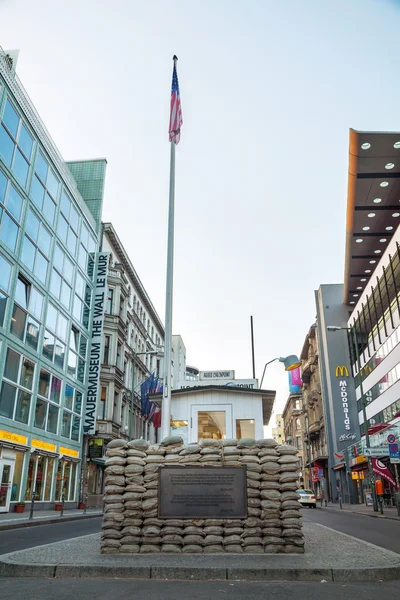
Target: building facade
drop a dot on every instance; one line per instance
(133, 336)
(278, 431)
(294, 426)
(316, 469)
(48, 239)
(178, 361)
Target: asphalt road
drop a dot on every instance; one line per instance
(382, 532)
(118, 589)
(28, 537)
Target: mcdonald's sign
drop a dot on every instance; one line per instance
(342, 372)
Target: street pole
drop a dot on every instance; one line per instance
(363, 404)
(252, 347)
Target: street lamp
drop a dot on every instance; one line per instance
(333, 328)
(289, 362)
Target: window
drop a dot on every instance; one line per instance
(5, 277)
(71, 418)
(119, 348)
(36, 236)
(298, 442)
(44, 188)
(298, 425)
(27, 313)
(77, 354)
(47, 402)
(16, 389)
(62, 277)
(10, 212)
(109, 304)
(106, 349)
(16, 143)
(55, 336)
(245, 428)
(68, 224)
(103, 399)
(82, 300)
(86, 246)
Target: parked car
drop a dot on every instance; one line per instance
(307, 498)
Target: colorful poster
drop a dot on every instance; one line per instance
(296, 377)
(381, 469)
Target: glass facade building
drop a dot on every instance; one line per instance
(48, 234)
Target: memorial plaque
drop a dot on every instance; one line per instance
(202, 492)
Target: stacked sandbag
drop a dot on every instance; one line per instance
(290, 518)
(131, 523)
(114, 489)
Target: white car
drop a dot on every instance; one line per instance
(307, 498)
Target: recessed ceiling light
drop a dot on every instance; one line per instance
(352, 302)
(372, 262)
(359, 240)
(377, 200)
(377, 251)
(384, 184)
(389, 166)
(368, 270)
(396, 145)
(366, 146)
(359, 287)
(363, 279)
(383, 240)
(355, 295)
(371, 215)
(366, 228)
(389, 228)
(396, 215)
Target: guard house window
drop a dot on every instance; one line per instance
(10, 212)
(5, 277)
(16, 143)
(71, 417)
(109, 305)
(47, 402)
(77, 354)
(68, 224)
(44, 188)
(55, 336)
(36, 236)
(106, 349)
(16, 389)
(27, 313)
(82, 300)
(62, 277)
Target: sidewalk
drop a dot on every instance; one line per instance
(44, 517)
(361, 509)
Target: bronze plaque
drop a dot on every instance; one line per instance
(202, 492)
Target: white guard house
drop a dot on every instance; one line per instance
(218, 412)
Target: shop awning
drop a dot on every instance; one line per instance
(337, 467)
(99, 461)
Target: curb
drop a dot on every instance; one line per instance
(51, 521)
(356, 512)
(8, 569)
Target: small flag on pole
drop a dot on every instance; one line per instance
(175, 120)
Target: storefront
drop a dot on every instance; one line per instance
(36, 470)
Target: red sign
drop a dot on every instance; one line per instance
(391, 438)
(380, 469)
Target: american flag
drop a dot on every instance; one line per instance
(175, 121)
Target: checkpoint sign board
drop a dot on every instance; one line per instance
(391, 438)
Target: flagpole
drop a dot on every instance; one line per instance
(166, 403)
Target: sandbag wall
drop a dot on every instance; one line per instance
(131, 523)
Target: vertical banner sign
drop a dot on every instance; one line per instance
(99, 303)
(295, 382)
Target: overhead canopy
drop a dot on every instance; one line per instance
(373, 205)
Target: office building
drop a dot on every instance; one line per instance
(50, 213)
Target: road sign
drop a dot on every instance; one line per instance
(395, 461)
(391, 438)
(375, 452)
(393, 448)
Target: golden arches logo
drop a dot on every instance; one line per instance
(342, 372)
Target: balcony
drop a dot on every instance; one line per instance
(315, 427)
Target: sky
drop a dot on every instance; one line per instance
(269, 91)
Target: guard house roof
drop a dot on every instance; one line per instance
(267, 396)
(373, 202)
